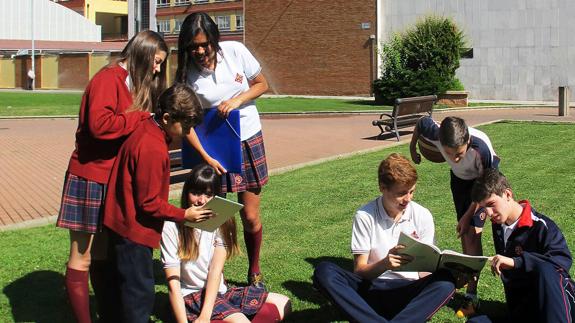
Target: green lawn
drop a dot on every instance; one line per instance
(307, 216)
(52, 104)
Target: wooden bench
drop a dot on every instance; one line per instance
(406, 112)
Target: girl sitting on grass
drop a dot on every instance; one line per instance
(194, 261)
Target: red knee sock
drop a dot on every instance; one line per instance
(267, 313)
(253, 242)
(78, 294)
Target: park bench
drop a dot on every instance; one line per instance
(406, 112)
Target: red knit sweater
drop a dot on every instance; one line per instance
(137, 198)
(103, 124)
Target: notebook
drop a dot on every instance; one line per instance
(221, 140)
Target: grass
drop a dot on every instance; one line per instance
(53, 104)
(307, 215)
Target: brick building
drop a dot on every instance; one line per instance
(228, 14)
(316, 47)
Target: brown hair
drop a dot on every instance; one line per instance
(491, 182)
(181, 103)
(453, 132)
(396, 169)
(203, 179)
(138, 55)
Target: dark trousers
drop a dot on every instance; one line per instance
(393, 300)
(135, 275)
(550, 297)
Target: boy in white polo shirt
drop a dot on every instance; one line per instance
(374, 292)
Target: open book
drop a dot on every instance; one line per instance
(222, 208)
(429, 258)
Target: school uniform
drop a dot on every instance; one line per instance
(393, 296)
(194, 275)
(539, 287)
(103, 125)
(235, 67)
(135, 209)
(479, 156)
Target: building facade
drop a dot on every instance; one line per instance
(320, 47)
(228, 14)
(522, 49)
(111, 15)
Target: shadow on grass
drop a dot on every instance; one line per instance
(388, 135)
(495, 310)
(304, 291)
(370, 103)
(39, 296)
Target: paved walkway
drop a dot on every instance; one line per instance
(35, 152)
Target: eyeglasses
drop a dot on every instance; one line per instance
(195, 47)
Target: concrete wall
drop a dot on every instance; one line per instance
(523, 49)
(51, 22)
(49, 74)
(97, 61)
(7, 73)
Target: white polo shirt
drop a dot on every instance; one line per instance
(235, 67)
(193, 274)
(375, 233)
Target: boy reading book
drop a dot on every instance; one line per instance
(375, 291)
(532, 259)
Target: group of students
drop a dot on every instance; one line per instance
(532, 257)
(115, 195)
(115, 204)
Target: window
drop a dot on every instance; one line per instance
(163, 26)
(200, 1)
(223, 22)
(182, 2)
(162, 3)
(239, 22)
(467, 53)
(178, 26)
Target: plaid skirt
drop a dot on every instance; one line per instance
(82, 205)
(254, 167)
(247, 300)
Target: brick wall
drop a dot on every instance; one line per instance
(313, 47)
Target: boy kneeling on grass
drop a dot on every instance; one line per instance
(137, 200)
(532, 259)
(375, 292)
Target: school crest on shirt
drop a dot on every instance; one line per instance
(239, 78)
(518, 250)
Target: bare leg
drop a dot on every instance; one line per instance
(282, 303)
(236, 318)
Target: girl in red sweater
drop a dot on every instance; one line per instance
(117, 99)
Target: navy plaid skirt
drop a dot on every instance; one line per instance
(247, 300)
(254, 168)
(82, 205)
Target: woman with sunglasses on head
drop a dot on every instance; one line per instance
(227, 76)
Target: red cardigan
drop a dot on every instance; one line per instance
(103, 124)
(137, 199)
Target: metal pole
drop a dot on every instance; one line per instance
(33, 49)
(564, 101)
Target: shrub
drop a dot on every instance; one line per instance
(420, 61)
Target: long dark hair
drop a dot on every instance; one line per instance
(138, 55)
(194, 24)
(203, 179)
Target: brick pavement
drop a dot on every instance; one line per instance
(34, 152)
